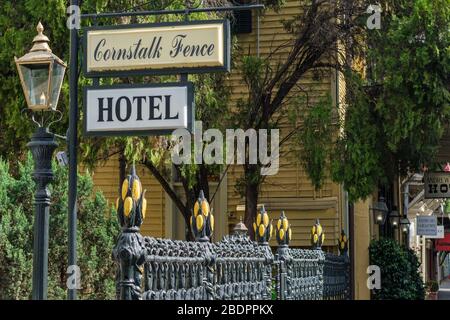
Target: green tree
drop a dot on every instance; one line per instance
(396, 102)
(17, 24)
(97, 231)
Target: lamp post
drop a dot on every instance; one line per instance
(41, 75)
(380, 211)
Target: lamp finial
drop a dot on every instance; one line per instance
(40, 42)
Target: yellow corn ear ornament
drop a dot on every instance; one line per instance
(144, 207)
(313, 230)
(136, 189)
(127, 206)
(281, 234)
(211, 222)
(258, 219)
(290, 233)
(262, 230)
(124, 188)
(199, 222)
(205, 207)
(265, 219)
(196, 208)
(271, 230)
(117, 203)
(254, 227)
(285, 224)
(315, 238)
(279, 224)
(319, 230)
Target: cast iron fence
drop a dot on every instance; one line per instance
(235, 268)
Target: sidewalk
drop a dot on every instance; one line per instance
(444, 290)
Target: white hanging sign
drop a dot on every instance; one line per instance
(150, 109)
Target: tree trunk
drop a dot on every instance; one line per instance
(251, 200)
(122, 168)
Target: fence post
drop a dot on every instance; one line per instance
(283, 235)
(202, 226)
(129, 250)
(263, 232)
(317, 239)
(343, 251)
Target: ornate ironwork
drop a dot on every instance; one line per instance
(263, 227)
(202, 220)
(42, 146)
(235, 268)
(317, 235)
(129, 251)
(336, 274)
(343, 243)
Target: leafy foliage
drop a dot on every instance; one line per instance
(315, 136)
(396, 113)
(400, 278)
(96, 235)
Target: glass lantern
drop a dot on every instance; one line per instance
(41, 74)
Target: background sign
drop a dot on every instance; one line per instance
(437, 185)
(150, 109)
(426, 225)
(177, 47)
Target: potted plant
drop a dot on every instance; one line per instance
(432, 290)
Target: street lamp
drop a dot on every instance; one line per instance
(380, 211)
(394, 219)
(41, 75)
(404, 223)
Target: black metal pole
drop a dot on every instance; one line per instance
(73, 142)
(42, 146)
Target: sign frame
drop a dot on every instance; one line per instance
(434, 218)
(439, 194)
(440, 234)
(139, 133)
(162, 71)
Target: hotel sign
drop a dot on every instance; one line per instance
(165, 48)
(437, 185)
(137, 109)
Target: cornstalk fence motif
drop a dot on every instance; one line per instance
(235, 268)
